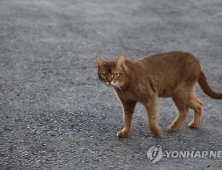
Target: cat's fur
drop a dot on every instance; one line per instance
(172, 74)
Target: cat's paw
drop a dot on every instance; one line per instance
(122, 134)
(172, 128)
(156, 131)
(193, 125)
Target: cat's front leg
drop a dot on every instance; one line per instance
(151, 107)
(128, 109)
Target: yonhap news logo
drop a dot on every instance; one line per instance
(156, 153)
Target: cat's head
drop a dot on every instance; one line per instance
(112, 73)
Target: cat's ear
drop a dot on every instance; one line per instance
(120, 62)
(99, 61)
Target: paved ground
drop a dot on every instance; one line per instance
(55, 114)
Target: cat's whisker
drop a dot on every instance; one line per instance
(116, 86)
(119, 88)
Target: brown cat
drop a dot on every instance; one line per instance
(172, 74)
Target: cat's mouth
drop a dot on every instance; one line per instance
(115, 85)
(108, 84)
(111, 84)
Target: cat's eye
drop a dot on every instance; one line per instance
(103, 75)
(116, 75)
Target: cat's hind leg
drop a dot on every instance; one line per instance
(181, 97)
(197, 107)
(128, 109)
(185, 99)
(180, 103)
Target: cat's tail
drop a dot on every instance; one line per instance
(202, 81)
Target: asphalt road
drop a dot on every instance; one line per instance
(54, 112)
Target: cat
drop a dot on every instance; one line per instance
(171, 74)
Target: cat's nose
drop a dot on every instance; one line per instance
(109, 80)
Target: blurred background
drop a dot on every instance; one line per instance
(54, 112)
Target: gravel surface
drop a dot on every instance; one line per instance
(54, 112)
